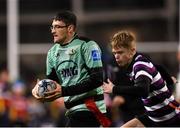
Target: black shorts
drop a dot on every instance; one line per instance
(82, 119)
(174, 122)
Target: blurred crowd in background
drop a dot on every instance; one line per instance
(19, 108)
(155, 22)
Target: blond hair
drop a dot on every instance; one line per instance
(123, 39)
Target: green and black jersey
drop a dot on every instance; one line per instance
(77, 66)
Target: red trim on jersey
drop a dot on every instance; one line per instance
(103, 120)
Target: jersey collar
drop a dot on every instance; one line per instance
(74, 37)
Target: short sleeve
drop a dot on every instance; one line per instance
(92, 54)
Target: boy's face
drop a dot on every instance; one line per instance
(122, 55)
(60, 31)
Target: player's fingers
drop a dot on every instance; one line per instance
(105, 91)
(104, 86)
(52, 97)
(48, 97)
(109, 81)
(37, 80)
(104, 83)
(40, 99)
(34, 93)
(50, 93)
(57, 84)
(35, 89)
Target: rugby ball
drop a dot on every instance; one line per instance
(45, 85)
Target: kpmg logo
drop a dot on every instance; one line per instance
(68, 71)
(96, 55)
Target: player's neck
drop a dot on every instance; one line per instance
(69, 38)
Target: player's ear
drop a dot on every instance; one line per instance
(132, 51)
(71, 28)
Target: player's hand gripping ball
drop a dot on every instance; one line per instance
(45, 85)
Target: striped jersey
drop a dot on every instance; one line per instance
(158, 99)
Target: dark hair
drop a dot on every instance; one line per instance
(67, 17)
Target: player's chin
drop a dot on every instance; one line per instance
(56, 41)
(121, 64)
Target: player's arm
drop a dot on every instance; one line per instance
(95, 80)
(142, 80)
(140, 88)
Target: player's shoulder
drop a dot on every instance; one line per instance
(88, 43)
(142, 57)
(86, 40)
(53, 49)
